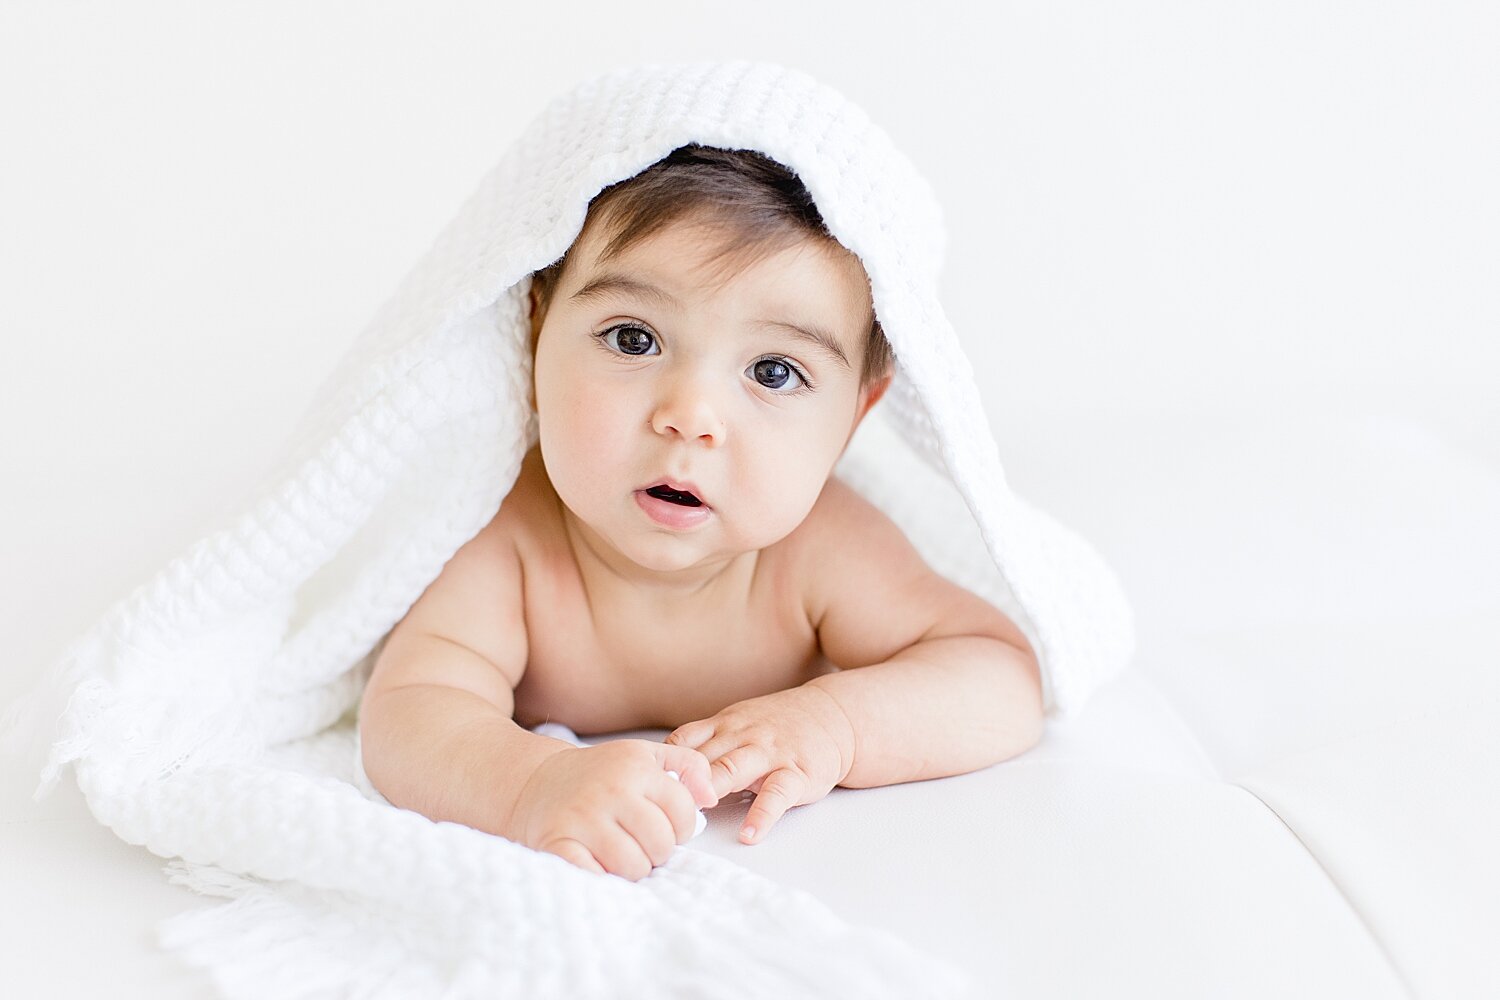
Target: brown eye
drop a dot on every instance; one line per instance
(631, 340)
(771, 374)
(774, 373)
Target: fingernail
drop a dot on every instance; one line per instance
(748, 833)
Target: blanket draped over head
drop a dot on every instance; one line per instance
(208, 715)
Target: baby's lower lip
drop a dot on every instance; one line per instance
(671, 515)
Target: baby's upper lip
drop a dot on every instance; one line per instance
(677, 486)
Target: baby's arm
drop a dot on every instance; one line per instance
(435, 721)
(437, 734)
(934, 681)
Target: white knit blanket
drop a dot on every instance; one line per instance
(209, 715)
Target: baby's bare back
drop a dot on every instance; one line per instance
(605, 662)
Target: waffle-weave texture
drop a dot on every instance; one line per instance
(200, 710)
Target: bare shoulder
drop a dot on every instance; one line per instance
(476, 602)
(839, 516)
(844, 529)
(870, 594)
(842, 538)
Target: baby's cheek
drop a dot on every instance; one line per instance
(581, 424)
(602, 425)
(786, 484)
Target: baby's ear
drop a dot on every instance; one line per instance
(869, 396)
(872, 394)
(534, 302)
(537, 314)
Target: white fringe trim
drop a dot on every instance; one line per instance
(287, 941)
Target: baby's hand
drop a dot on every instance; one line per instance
(791, 747)
(613, 807)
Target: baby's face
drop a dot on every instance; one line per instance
(647, 373)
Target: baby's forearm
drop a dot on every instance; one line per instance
(941, 707)
(449, 755)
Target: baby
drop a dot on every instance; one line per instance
(676, 554)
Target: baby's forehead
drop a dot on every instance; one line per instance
(706, 257)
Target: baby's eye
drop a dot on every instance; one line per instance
(631, 340)
(775, 373)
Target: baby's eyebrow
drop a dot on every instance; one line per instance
(612, 283)
(815, 336)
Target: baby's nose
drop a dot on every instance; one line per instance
(690, 413)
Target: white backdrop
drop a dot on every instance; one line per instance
(1158, 212)
(1154, 206)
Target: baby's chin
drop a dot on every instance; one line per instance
(665, 551)
(687, 553)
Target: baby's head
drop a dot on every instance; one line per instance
(704, 332)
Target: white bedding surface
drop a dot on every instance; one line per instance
(1106, 856)
(1288, 796)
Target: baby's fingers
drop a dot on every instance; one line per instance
(691, 734)
(782, 789)
(692, 770)
(575, 853)
(739, 769)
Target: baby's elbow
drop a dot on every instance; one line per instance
(1027, 724)
(1025, 713)
(1032, 726)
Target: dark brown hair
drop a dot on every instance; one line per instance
(761, 205)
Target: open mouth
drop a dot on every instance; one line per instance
(673, 496)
